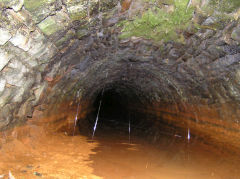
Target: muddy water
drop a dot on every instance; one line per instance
(30, 152)
(170, 158)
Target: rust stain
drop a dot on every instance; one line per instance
(53, 81)
(125, 5)
(205, 121)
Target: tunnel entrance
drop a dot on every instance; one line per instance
(118, 110)
(111, 112)
(113, 107)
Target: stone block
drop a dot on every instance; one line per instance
(4, 59)
(14, 77)
(40, 9)
(16, 5)
(4, 36)
(7, 96)
(21, 41)
(50, 26)
(78, 10)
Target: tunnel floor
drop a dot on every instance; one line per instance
(37, 150)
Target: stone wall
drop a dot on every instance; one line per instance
(32, 35)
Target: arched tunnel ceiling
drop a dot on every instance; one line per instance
(51, 50)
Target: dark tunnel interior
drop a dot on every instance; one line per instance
(113, 105)
(111, 108)
(114, 112)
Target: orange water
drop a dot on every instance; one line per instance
(29, 151)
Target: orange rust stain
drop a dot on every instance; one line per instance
(53, 81)
(204, 120)
(125, 5)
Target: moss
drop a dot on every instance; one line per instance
(78, 10)
(222, 9)
(158, 24)
(49, 26)
(32, 5)
(79, 15)
(225, 5)
(105, 5)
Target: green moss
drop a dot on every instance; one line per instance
(79, 15)
(78, 9)
(49, 26)
(225, 5)
(158, 24)
(32, 5)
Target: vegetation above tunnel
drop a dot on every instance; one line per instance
(166, 20)
(158, 23)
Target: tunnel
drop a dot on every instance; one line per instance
(113, 107)
(120, 89)
(116, 108)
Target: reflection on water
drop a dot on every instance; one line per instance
(170, 158)
(28, 152)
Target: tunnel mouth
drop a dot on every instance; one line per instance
(111, 107)
(117, 109)
(110, 111)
